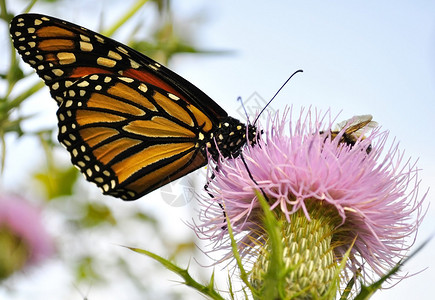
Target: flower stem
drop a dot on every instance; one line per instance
(125, 17)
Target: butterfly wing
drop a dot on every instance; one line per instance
(62, 52)
(130, 124)
(128, 137)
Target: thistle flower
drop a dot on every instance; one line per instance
(362, 197)
(24, 240)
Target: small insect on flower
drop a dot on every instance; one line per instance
(354, 130)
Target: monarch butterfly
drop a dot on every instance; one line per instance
(130, 124)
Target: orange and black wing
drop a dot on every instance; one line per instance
(128, 137)
(130, 124)
(62, 52)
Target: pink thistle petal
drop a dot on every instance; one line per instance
(375, 194)
(24, 220)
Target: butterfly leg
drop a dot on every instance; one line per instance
(211, 195)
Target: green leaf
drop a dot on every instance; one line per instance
(348, 289)
(146, 218)
(85, 270)
(57, 181)
(243, 274)
(97, 213)
(187, 247)
(207, 290)
(368, 291)
(15, 73)
(122, 20)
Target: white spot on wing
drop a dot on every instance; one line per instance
(114, 55)
(173, 97)
(85, 46)
(66, 58)
(126, 79)
(134, 64)
(99, 39)
(106, 62)
(83, 84)
(85, 38)
(123, 50)
(57, 72)
(143, 87)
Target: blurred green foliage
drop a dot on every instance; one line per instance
(59, 189)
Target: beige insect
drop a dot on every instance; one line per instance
(355, 127)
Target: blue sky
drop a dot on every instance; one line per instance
(358, 57)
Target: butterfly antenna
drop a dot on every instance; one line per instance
(258, 116)
(243, 106)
